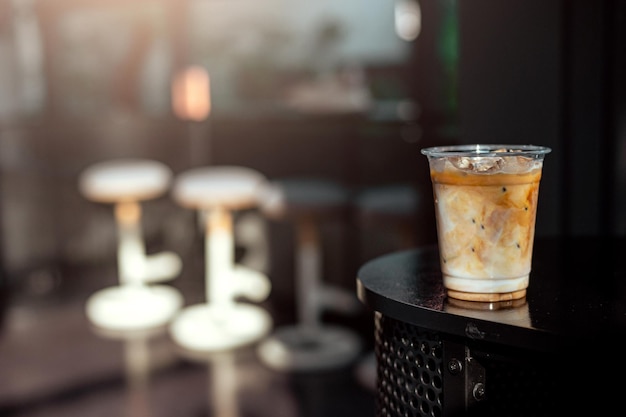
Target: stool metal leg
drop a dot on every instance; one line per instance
(219, 247)
(308, 272)
(234, 280)
(134, 264)
(309, 345)
(250, 273)
(130, 249)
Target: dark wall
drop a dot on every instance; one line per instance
(509, 84)
(551, 73)
(618, 119)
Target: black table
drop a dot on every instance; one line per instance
(441, 357)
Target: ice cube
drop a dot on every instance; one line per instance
(478, 163)
(521, 164)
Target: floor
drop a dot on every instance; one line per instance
(53, 362)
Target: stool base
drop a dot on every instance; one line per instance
(128, 307)
(208, 328)
(298, 348)
(365, 371)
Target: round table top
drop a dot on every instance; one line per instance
(232, 187)
(125, 179)
(577, 291)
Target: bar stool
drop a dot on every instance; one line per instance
(392, 209)
(133, 304)
(309, 345)
(222, 323)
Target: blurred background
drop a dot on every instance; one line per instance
(347, 91)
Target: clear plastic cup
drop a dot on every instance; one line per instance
(485, 206)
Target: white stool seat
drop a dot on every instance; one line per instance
(125, 179)
(231, 187)
(128, 307)
(208, 328)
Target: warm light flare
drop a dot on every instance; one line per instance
(191, 94)
(408, 19)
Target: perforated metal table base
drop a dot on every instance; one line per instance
(556, 352)
(420, 371)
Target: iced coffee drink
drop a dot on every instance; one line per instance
(485, 206)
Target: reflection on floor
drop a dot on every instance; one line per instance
(54, 363)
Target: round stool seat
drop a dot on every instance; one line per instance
(295, 197)
(129, 307)
(298, 348)
(227, 186)
(125, 180)
(210, 328)
(397, 202)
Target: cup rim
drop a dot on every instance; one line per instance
(486, 149)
